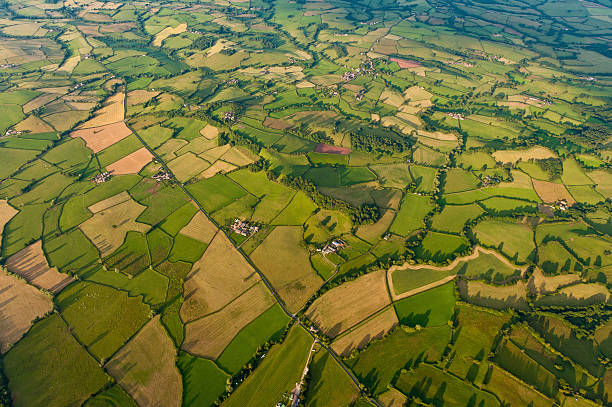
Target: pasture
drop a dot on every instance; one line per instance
(284, 260)
(411, 214)
(76, 374)
(145, 367)
(358, 338)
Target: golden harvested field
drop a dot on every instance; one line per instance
(107, 228)
(33, 124)
(415, 93)
(438, 135)
(108, 202)
(111, 112)
(167, 32)
(499, 297)
(69, 65)
(285, 261)
(139, 96)
(131, 163)
(39, 101)
(200, 228)
(344, 306)
(218, 167)
(64, 121)
(6, 214)
(238, 157)
(145, 368)
(220, 276)
(541, 284)
(187, 166)
(215, 153)
(603, 179)
(391, 98)
(31, 264)
(209, 132)
(208, 336)
(512, 156)
(98, 138)
(393, 398)
(552, 192)
(359, 337)
(20, 304)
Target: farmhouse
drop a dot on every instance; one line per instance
(333, 246)
(244, 228)
(101, 178)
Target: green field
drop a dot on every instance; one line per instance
(195, 371)
(431, 308)
(76, 375)
(277, 374)
(410, 217)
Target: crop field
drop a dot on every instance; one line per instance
(423, 186)
(222, 326)
(76, 374)
(301, 282)
(21, 305)
(101, 318)
(330, 311)
(30, 263)
(359, 337)
(147, 378)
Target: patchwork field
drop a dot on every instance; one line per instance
(145, 367)
(20, 305)
(330, 311)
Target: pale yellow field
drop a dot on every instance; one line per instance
(20, 304)
(39, 101)
(214, 154)
(167, 32)
(209, 132)
(391, 98)
(552, 192)
(64, 121)
(208, 336)
(98, 138)
(187, 166)
(131, 163)
(393, 398)
(344, 306)
(108, 202)
(238, 157)
(107, 228)
(200, 228)
(284, 260)
(33, 124)
(6, 214)
(512, 156)
(139, 96)
(415, 93)
(31, 264)
(509, 296)
(69, 65)
(541, 284)
(145, 368)
(217, 167)
(111, 112)
(603, 179)
(361, 336)
(220, 276)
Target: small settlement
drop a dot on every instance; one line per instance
(333, 246)
(243, 227)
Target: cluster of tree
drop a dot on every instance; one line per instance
(552, 166)
(5, 395)
(316, 136)
(203, 42)
(591, 134)
(270, 41)
(371, 143)
(237, 139)
(366, 213)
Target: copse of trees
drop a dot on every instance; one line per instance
(370, 143)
